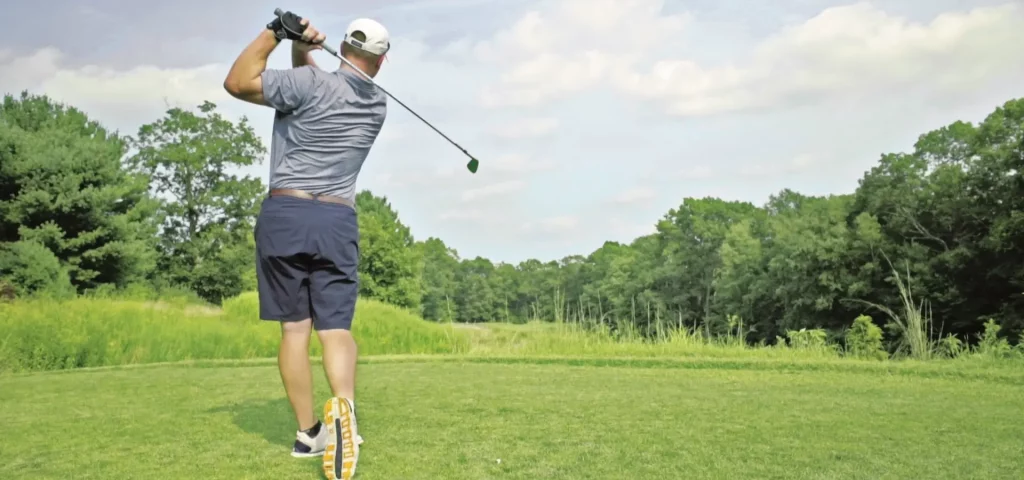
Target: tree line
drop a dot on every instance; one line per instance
(938, 231)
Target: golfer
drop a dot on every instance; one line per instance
(307, 237)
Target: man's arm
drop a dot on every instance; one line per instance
(301, 55)
(244, 80)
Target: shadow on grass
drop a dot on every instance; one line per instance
(272, 420)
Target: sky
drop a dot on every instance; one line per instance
(591, 118)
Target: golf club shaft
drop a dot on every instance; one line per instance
(334, 52)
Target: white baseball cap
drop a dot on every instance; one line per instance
(377, 41)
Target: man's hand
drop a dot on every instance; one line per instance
(312, 39)
(245, 80)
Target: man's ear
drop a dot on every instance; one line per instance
(380, 61)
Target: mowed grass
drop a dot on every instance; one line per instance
(456, 417)
(450, 401)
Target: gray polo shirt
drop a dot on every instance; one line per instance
(324, 127)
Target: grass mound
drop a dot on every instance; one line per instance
(90, 332)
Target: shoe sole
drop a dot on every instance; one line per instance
(342, 450)
(307, 455)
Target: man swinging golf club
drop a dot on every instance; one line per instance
(307, 237)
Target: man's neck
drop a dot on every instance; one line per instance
(345, 66)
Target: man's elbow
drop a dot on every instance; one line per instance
(250, 91)
(244, 89)
(233, 86)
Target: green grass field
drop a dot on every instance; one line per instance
(440, 402)
(433, 419)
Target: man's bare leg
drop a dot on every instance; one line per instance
(339, 361)
(342, 451)
(296, 373)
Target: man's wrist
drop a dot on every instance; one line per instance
(268, 33)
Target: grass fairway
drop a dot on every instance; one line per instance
(433, 419)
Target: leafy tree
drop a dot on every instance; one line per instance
(207, 213)
(997, 179)
(475, 296)
(62, 186)
(440, 268)
(951, 210)
(742, 284)
(390, 265)
(691, 236)
(505, 282)
(609, 278)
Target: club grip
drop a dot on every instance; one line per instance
(279, 13)
(286, 25)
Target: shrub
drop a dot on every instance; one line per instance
(953, 347)
(32, 269)
(991, 345)
(864, 339)
(7, 292)
(816, 339)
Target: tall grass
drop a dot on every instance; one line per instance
(86, 332)
(574, 339)
(913, 324)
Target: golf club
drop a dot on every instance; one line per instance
(473, 162)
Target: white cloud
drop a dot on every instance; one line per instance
(802, 162)
(494, 189)
(628, 230)
(854, 50)
(635, 195)
(123, 99)
(799, 164)
(516, 163)
(694, 173)
(571, 46)
(465, 214)
(527, 128)
(757, 170)
(558, 224)
(563, 222)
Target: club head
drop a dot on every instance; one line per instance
(472, 165)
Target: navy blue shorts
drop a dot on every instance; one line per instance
(307, 256)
